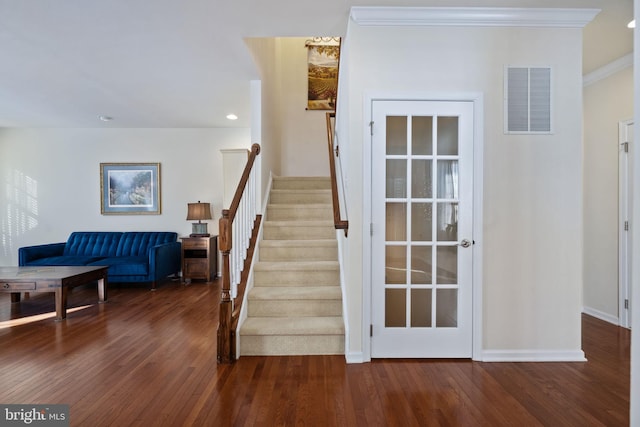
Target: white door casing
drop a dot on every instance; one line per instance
(625, 191)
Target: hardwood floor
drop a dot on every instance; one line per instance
(148, 359)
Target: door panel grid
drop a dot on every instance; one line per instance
(412, 264)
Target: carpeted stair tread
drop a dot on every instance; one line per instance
(305, 182)
(296, 265)
(329, 243)
(300, 223)
(292, 208)
(288, 250)
(301, 190)
(300, 196)
(299, 212)
(329, 325)
(296, 293)
(298, 230)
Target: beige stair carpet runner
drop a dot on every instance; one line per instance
(295, 305)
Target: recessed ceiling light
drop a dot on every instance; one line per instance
(632, 24)
(232, 117)
(105, 118)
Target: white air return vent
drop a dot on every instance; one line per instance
(527, 100)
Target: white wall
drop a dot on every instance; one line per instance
(264, 52)
(304, 132)
(299, 134)
(532, 266)
(51, 180)
(606, 103)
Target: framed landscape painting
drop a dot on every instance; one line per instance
(130, 188)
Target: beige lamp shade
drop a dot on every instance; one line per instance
(199, 211)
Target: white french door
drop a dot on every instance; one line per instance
(422, 240)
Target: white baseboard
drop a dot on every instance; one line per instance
(508, 356)
(533, 356)
(354, 357)
(601, 315)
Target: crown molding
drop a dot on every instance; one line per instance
(472, 16)
(608, 70)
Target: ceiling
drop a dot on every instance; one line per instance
(184, 63)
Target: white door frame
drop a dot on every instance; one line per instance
(625, 198)
(478, 152)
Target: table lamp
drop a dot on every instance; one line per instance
(199, 211)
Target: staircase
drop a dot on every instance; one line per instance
(295, 305)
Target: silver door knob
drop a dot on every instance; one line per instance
(465, 243)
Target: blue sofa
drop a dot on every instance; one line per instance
(136, 256)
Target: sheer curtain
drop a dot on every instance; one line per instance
(448, 189)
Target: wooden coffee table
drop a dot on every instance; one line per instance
(52, 279)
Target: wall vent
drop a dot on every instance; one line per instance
(527, 100)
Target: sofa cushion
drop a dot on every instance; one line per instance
(126, 265)
(65, 260)
(97, 244)
(137, 243)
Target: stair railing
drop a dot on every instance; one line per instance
(334, 152)
(239, 227)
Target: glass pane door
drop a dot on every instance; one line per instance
(421, 246)
(421, 296)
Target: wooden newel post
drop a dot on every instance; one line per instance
(226, 305)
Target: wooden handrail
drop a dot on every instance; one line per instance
(339, 223)
(233, 209)
(228, 314)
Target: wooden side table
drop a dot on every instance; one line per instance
(199, 258)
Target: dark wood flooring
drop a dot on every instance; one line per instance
(149, 359)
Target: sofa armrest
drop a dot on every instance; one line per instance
(164, 260)
(28, 254)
